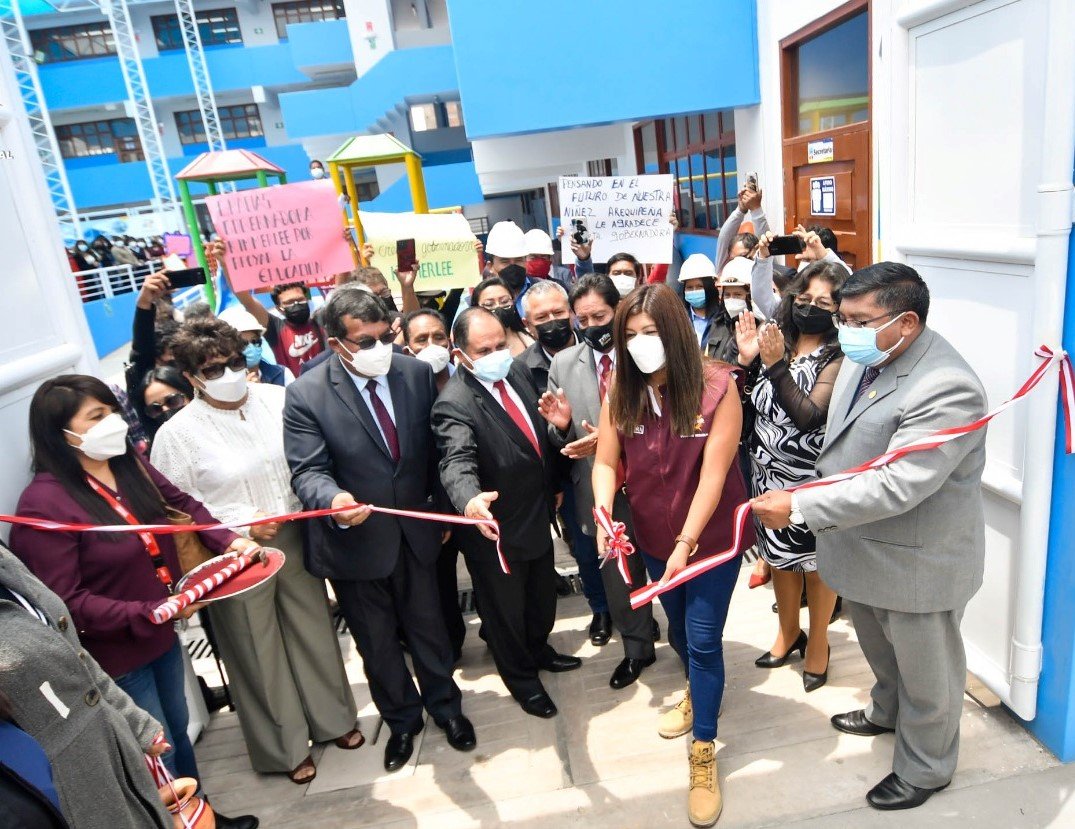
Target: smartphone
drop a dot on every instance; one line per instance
(187, 278)
(580, 234)
(784, 245)
(405, 255)
(752, 182)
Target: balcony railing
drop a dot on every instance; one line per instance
(107, 283)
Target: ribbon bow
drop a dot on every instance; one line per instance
(619, 545)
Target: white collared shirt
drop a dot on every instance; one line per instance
(383, 392)
(514, 395)
(597, 355)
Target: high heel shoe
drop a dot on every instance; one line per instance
(767, 660)
(811, 682)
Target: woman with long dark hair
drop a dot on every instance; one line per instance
(674, 422)
(801, 358)
(161, 394)
(493, 295)
(86, 472)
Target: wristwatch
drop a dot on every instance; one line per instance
(797, 517)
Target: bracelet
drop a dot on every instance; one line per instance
(692, 545)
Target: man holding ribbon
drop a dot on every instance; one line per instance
(903, 543)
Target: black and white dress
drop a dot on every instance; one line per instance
(791, 401)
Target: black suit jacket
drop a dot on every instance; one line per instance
(538, 364)
(482, 450)
(333, 445)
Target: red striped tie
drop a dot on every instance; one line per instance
(517, 416)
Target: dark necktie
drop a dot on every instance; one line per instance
(603, 376)
(517, 416)
(391, 437)
(868, 376)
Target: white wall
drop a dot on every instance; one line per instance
(366, 20)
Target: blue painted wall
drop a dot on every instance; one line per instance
(320, 43)
(447, 185)
(1055, 723)
(110, 321)
(601, 64)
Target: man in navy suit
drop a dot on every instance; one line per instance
(357, 432)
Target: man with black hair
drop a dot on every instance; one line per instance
(904, 544)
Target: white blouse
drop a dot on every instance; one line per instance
(230, 460)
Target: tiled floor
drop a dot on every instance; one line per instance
(601, 763)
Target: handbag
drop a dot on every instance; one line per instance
(188, 545)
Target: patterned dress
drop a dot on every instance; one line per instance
(781, 455)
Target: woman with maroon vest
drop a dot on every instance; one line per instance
(674, 422)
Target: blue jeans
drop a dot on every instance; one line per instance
(158, 688)
(696, 614)
(584, 549)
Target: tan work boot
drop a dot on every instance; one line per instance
(679, 720)
(703, 800)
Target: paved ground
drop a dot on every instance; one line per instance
(601, 763)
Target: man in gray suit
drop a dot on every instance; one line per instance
(579, 378)
(903, 544)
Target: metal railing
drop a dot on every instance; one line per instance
(106, 283)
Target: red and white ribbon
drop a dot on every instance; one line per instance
(619, 545)
(162, 778)
(181, 601)
(939, 438)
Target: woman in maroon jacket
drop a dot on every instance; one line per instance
(674, 422)
(87, 473)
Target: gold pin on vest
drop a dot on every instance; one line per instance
(872, 395)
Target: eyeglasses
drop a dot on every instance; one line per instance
(366, 343)
(175, 400)
(843, 322)
(216, 370)
(294, 304)
(493, 305)
(823, 303)
(255, 341)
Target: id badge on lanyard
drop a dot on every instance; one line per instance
(160, 565)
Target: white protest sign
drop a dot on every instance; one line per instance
(444, 247)
(620, 214)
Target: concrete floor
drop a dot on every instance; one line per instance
(601, 762)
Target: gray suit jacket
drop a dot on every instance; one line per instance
(574, 371)
(92, 732)
(910, 536)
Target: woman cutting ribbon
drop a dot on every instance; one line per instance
(87, 473)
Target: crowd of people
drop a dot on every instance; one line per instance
(662, 397)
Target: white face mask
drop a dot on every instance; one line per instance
(371, 362)
(624, 284)
(105, 439)
(228, 388)
(317, 172)
(735, 306)
(647, 351)
(436, 355)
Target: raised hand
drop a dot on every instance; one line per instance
(556, 409)
(583, 447)
(155, 286)
(746, 337)
(771, 344)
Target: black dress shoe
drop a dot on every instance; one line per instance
(628, 671)
(398, 749)
(896, 793)
(560, 662)
(241, 822)
(460, 733)
(601, 629)
(656, 631)
(811, 682)
(563, 586)
(855, 722)
(768, 660)
(539, 705)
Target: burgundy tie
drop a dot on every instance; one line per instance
(517, 416)
(391, 437)
(868, 376)
(603, 376)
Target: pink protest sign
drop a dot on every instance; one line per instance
(178, 243)
(286, 233)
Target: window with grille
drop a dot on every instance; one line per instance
(118, 137)
(87, 40)
(217, 27)
(242, 121)
(305, 11)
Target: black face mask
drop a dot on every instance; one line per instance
(810, 319)
(298, 314)
(598, 337)
(554, 334)
(509, 318)
(514, 277)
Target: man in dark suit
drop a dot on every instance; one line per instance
(357, 431)
(548, 317)
(495, 464)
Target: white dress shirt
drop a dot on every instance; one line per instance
(383, 392)
(514, 395)
(597, 355)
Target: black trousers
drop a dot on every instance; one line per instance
(635, 626)
(517, 612)
(448, 587)
(376, 611)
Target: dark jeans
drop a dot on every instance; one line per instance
(696, 614)
(158, 688)
(584, 549)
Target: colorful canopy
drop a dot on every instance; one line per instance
(226, 164)
(371, 149)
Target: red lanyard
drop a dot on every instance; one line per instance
(164, 575)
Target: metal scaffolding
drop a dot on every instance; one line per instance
(199, 72)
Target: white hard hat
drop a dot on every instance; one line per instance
(538, 242)
(737, 271)
(506, 240)
(240, 319)
(697, 266)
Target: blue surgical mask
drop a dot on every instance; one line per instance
(493, 367)
(860, 344)
(252, 353)
(695, 299)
